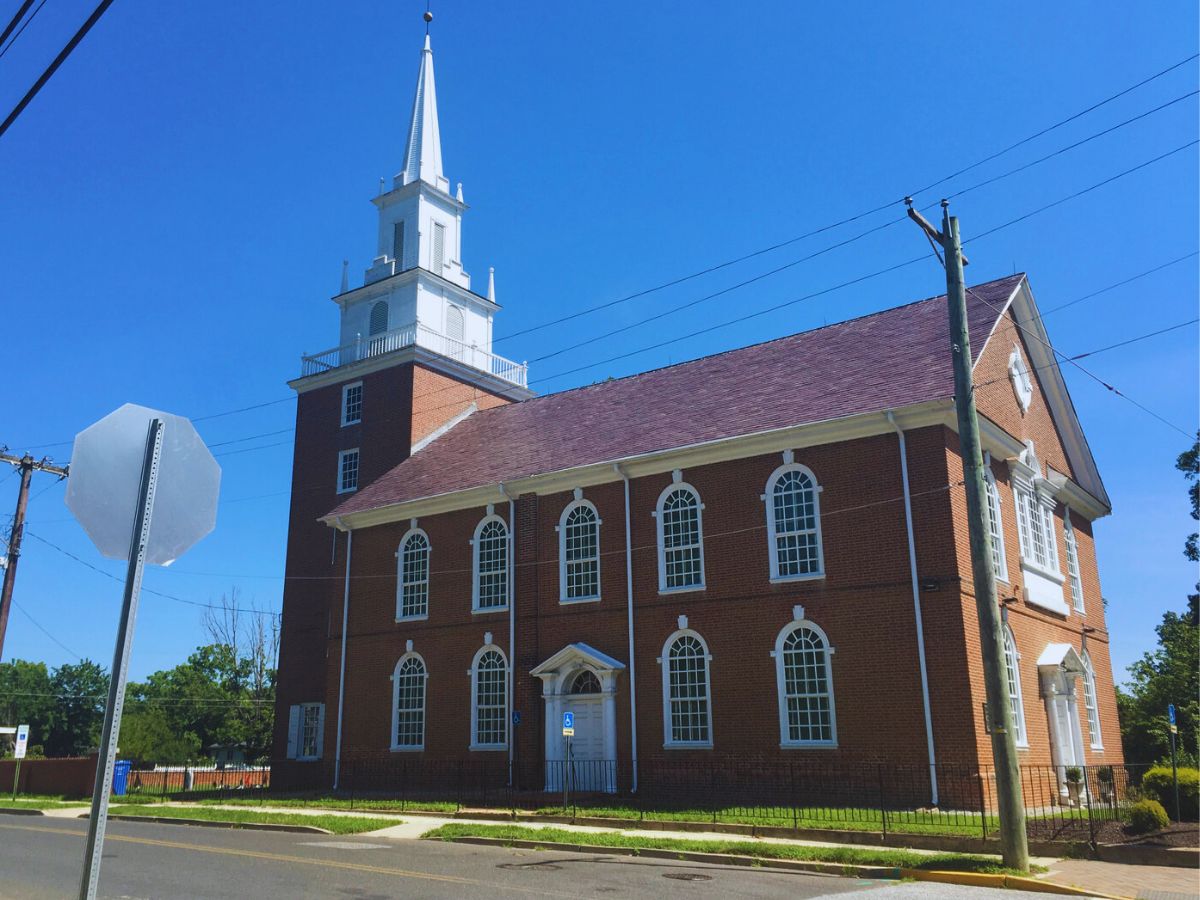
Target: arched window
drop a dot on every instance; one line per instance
(408, 703)
(687, 715)
(804, 682)
(1089, 702)
(413, 599)
(585, 682)
(1073, 562)
(680, 539)
(995, 522)
(489, 700)
(579, 553)
(794, 523)
(491, 564)
(1013, 673)
(379, 318)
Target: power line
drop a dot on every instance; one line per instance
(1118, 284)
(1134, 340)
(53, 67)
(1087, 190)
(17, 16)
(133, 699)
(251, 437)
(710, 269)
(84, 562)
(1082, 369)
(38, 625)
(24, 25)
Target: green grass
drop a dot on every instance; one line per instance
(860, 856)
(964, 824)
(6, 802)
(332, 803)
(335, 824)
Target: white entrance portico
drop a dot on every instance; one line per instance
(1058, 667)
(582, 680)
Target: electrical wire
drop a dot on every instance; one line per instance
(1118, 284)
(24, 25)
(38, 625)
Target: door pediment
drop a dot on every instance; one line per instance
(576, 656)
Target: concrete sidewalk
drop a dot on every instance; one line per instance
(1142, 882)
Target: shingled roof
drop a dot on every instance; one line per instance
(882, 361)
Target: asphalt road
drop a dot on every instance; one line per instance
(41, 858)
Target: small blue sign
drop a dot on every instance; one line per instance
(1171, 712)
(568, 720)
(516, 717)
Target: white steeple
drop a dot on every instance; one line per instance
(423, 152)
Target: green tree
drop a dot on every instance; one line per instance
(26, 698)
(1189, 464)
(1168, 674)
(80, 694)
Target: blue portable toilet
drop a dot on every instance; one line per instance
(121, 777)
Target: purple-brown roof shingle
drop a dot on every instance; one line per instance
(885, 360)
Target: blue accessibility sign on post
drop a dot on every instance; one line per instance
(516, 717)
(568, 720)
(1171, 712)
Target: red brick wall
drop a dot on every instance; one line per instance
(1034, 627)
(401, 404)
(864, 604)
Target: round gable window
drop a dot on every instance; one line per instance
(1021, 382)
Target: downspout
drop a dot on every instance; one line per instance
(337, 757)
(629, 603)
(916, 592)
(512, 624)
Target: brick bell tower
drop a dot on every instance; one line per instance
(413, 359)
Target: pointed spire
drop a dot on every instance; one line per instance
(423, 152)
(345, 275)
(492, 283)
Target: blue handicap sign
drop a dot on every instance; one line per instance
(568, 720)
(516, 717)
(1171, 712)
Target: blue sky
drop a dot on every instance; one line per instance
(180, 197)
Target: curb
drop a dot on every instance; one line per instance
(973, 879)
(19, 811)
(207, 823)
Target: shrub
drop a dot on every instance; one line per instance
(1074, 774)
(1157, 783)
(1146, 816)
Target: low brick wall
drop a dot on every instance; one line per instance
(70, 776)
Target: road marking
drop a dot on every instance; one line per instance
(345, 845)
(302, 860)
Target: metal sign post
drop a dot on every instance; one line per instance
(19, 749)
(1174, 764)
(120, 667)
(568, 730)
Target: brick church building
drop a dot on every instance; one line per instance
(758, 554)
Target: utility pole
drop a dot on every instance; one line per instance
(27, 465)
(1013, 841)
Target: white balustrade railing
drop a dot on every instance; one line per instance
(414, 335)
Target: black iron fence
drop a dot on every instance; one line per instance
(1061, 803)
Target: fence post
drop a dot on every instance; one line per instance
(795, 808)
(1087, 799)
(983, 808)
(882, 804)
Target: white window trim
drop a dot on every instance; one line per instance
(1034, 495)
(475, 609)
(996, 509)
(320, 734)
(772, 542)
(1095, 737)
(1022, 381)
(409, 748)
(345, 393)
(562, 553)
(662, 547)
(1071, 543)
(1022, 736)
(781, 684)
(400, 617)
(665, 665)
(474, 675)
(342, 454)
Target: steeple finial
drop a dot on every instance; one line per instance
(423, 152)
(492, 283)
